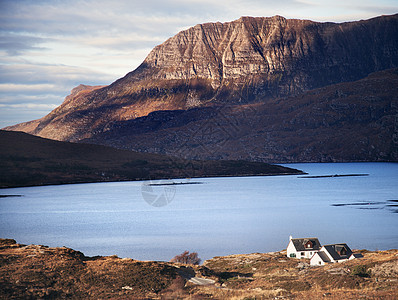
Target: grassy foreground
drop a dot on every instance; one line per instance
(40, 272)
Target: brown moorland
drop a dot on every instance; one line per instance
(40, 272)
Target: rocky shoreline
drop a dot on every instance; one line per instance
(41, 272)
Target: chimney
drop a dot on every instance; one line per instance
(290, 238)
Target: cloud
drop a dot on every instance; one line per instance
(39, 106)
(75, 18)
(48, 100)
(374, 10)
(10, 116)
(17, 44)
(43, 75)
(119, 42)
(143, 18)
(343, 10)
(25, 88)
(38, 89)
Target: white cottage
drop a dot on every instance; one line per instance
(303, 247)
(333, 253)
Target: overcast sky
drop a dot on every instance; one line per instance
(49, 47)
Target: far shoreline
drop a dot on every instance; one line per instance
(153, 179)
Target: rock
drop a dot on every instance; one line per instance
(388, 269)
(338, 271)
(303, 265)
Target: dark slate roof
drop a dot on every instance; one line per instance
(299, 244)
(335, 250)
(357, 255)
(323, 256)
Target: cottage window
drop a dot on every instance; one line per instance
(292, 254)
(319, 262)
(302, 253)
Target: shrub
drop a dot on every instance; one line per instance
(360, 270)
(187, 258)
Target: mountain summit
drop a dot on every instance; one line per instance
(243, 62)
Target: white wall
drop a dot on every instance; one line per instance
(309, 254)
(316, 260)
(301, 254)
(291, 249)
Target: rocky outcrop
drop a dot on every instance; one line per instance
(245, 61)
(274, 56)
(42, 272)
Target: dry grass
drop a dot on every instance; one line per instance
(41, 272)
(275, 275)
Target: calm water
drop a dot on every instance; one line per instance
(219, 217)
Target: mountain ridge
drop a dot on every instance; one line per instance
(243, 62)
(353, 121)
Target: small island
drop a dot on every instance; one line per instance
(333, 176)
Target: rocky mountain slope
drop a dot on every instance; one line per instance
(29, 160)
(353, 121)
(40, 272)
(249, 60)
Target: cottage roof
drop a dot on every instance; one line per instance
(323, 256)
(338, 251)
(300, 244)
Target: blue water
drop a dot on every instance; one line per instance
(222, 216)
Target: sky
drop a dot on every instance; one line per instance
(49, 47)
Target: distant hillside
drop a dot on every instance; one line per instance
(352, 121)
(245, 61)
(29, 160)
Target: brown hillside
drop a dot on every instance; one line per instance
(353, 121)
(29, 160)
(40, 272)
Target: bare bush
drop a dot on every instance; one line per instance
(187, 258)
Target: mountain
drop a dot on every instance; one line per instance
(29, 160)
(252, 83)
(245, 61)
(353, 121)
